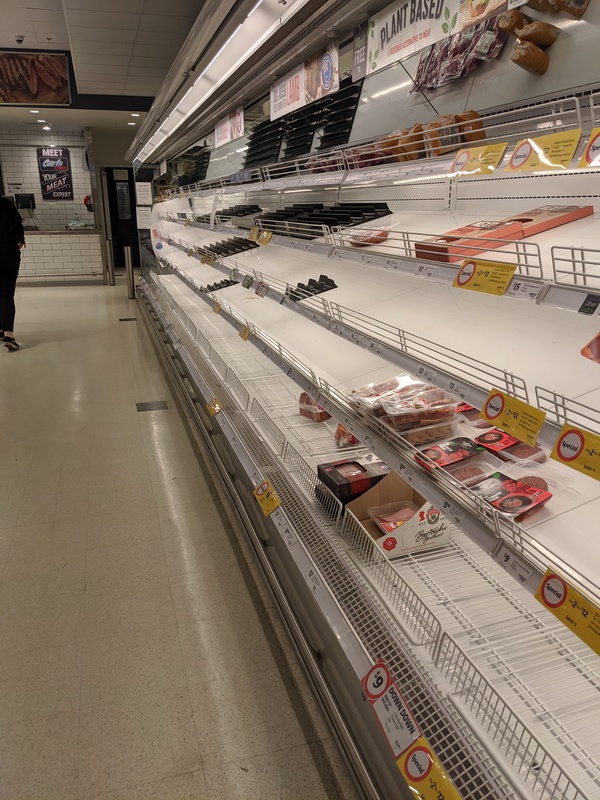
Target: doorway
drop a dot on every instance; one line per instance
(119, 208)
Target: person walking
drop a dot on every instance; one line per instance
(12, 240)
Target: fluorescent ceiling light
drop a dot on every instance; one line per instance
(46, 128)
(31, 111)
(135, 115)
(41, 120)
(131, 123)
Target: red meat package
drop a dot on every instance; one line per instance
(512, 497)
(311, 410)
(344, 438)
(367, 236)
(449, 452)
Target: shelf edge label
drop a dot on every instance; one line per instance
(267, 497)
(591, 155)
(513, 416)
(571, 607)
(424, 774)
(542, 153)
(478, 160)
(489, 277)
(578, 449)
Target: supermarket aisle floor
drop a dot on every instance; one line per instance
(136, 662)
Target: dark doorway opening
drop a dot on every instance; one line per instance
(120, 194)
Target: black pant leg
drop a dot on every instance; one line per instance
(9, 270)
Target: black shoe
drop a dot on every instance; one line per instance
(10, 344)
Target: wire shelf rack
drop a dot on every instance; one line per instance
(563, 410)
(576, 266)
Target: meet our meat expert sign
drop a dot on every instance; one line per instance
(54, 165)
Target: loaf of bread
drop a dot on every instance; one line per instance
(576, 8)
(541, 33)
(470, 126)
(388, 145)
(409, 144)
(549, 6)
(441, 136)
(529, 56)
(511, 21)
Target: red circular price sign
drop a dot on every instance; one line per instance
(467, 271)
(418, 763)
(460, 161)
(553, 591)
(592, 153)
(521, 154)
(494, 406)
(377, 681)
(570, 445)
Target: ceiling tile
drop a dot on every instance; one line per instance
(141, 61)
(45, 15)
(34, 4)
(154, 22)
(81, 49)
(178, 8)
(150, 50)
(83, 68)
(149, 72)
(108, 35)
(15, 16)
(159, 38)
(130, 6)
(98, 78)
(103, 19)
(103, 59)
(45, 30)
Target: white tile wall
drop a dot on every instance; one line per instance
(58, 259)
(18, 159)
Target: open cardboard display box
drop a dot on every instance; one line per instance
(426, 530)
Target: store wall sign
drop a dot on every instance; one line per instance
(489, 277)
(360, 46)
(317, 77)
(513, 416)
(554, 151)
(34, 79)
(578, 449)
(571, 607)
(230, 127)
(407, 26)
(54, 166)
(591, 155)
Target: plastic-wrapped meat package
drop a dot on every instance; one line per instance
(434, 64)
(344, 438)
(457, 57)
(490, 41)
(311, 410)
(422, 68)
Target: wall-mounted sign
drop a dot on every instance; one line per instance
(360, 46)
(40, 78)
(54, 165)
(230, 127)
(407, 26)
(316, 78)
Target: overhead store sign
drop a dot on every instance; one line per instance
(318, 77)
(407, 26)
(230, 127)
(54, 166)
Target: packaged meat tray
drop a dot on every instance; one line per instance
(424, 408)
(449, 452)
(311, 410)
(432, 433)
(514, 498)
(344, 438)
(348, 479)
(368, 236)
(496, 440)
(368, 399)
(390, 516)
(473, 470)
(522, 454)
(471, 415)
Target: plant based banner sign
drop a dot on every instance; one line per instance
(54, 165)
(317, 77)
(408, 26)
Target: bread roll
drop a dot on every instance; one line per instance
(549, 6)
(470, 127)
(441, 136)
(410, 144)
(529, 56)
(576, 8)
(510, 21)
(541, 33)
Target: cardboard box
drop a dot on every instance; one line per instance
(545, 218)
(350, 477)
(462, 242)
(426, 530)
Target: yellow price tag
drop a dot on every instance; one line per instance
(578, 449)
(210, 260)
(254, 234)
(571, 607)
(553, 151)
(591, 156)
(489, 277)
(189, 252)
(245, 333)
(478, 160)
(203, 259)
(265, 237)
(513, 416)
(424, 774)
(217, 308)
(188, 222)
(267, 498)
(214, 407)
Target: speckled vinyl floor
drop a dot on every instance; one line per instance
(136, 659)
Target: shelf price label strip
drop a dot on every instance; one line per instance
(571, 607)
(414, 757)
(578, 449)
(554, 151)
(489, 277)
(513, 416)
(478, 160)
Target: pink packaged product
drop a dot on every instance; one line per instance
(424, 408)
(311, 410)
(367, 236)
(368, 399)
(390, 516)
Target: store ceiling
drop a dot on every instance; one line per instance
(118, 47)
(68, 119)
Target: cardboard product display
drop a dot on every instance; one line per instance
(349, 478)
(545, 218)
(427, 529)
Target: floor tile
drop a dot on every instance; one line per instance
(125, 563)
(246, 718)
(206, 595)
(38, 758)
(178, 491)
(142, 739)
(121, 498)
(123, 528)
(39, 683)
(191, 786)
(122, 667)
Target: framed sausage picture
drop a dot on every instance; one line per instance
(34, 78)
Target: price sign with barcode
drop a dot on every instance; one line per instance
(452, 512)
(425, 271)
(426, 373)
(313, 580)
(375, 347)
(217, 308)
(513, 564)
(523, 290)
(245, 333)
(392, 263)
(214, 407)
(457, 389)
